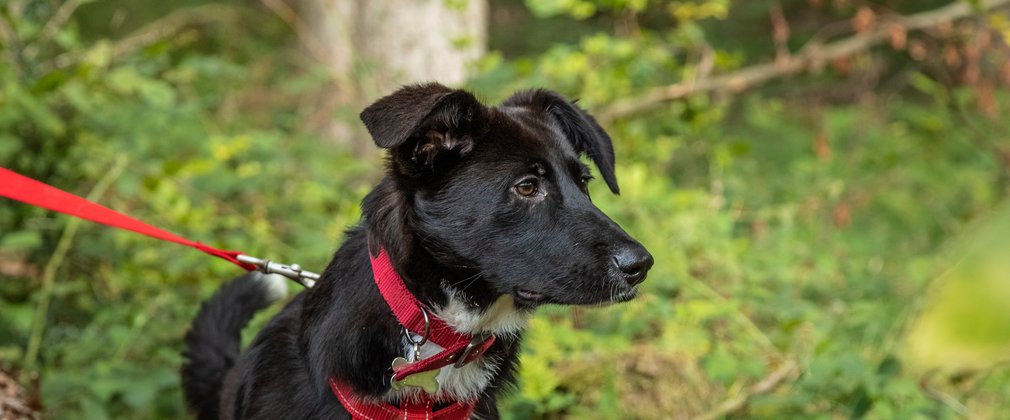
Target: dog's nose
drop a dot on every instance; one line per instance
(634, 261)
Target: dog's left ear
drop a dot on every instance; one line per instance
(582, 130)
(425, 123)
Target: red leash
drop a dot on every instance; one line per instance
(459, 348)
(26, 190)
(21, 188)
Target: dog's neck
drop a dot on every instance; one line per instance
(456, 292)
(463, 313)
(460, 296)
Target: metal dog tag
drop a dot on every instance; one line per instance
(423, 380)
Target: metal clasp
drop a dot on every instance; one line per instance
(294, 271)
(477, 341)
(414, 343)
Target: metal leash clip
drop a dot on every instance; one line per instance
(294, 271)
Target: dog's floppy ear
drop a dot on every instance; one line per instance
(582, 130)
(418, 123)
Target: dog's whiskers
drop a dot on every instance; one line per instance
(472, 279)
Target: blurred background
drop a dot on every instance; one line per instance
(824, 184)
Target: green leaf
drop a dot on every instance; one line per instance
(23, 240)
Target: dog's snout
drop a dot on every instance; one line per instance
(634, 261)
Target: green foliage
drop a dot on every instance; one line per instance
(752, 275)
(120, 305)
(787, 229)
(792, 224)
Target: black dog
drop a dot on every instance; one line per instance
(484, 212)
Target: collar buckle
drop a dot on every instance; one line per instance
(472, 349)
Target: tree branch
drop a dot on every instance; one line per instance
(789, 369)
(158, 30)
(811, 55)
(943, 397)
(58, 19)
(10, 43)
(290, 17)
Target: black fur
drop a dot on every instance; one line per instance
(450, 212)
(212, 345)
(579, 127)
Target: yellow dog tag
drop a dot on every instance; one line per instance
(424, 380)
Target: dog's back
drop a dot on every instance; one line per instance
(213, 343)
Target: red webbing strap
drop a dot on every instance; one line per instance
(406, 307)
(443, 358)
(407, 310)
(21, 188)
(422, 410)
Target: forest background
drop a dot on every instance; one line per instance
(824, 184)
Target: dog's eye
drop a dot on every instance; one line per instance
(527, 187)
(584, 183)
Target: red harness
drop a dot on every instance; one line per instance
(460, 349)
(412, 410)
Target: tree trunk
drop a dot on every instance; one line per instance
(374, 47)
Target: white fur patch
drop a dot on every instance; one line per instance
(275, 286)
(501, 318)
(469, 381)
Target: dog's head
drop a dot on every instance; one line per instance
(500, 191)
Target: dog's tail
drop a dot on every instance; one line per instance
(213, 343)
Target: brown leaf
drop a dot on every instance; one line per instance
(986, 98)
(983, 40)
(759, 229)
(917, 50)
(822, 146)
(842, 215)
(864, 19)
(972, 73)
(898, 35)
(951, 57)
(13, 404)
(1004, 155)
(842, 65)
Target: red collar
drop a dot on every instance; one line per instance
(411, 314)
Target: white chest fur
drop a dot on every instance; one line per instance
(469, 381)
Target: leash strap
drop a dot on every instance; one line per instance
(26, 190)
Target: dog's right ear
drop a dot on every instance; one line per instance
(422, 124)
